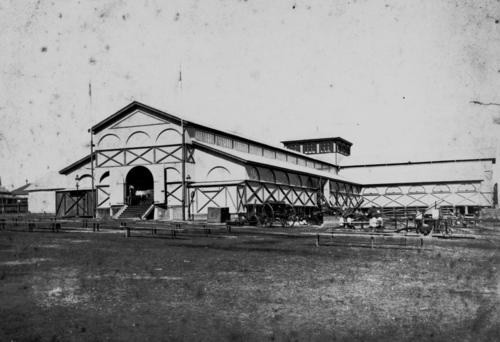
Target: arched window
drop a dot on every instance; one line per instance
(172, 175)
(281, 177)
(370, 191)
(85, 181)
(169, 136)
(466, 188)
(138, 138)
(441, 189)
(393, 190)
(218, 173)
(104, 180)
(253, 173)
(295, 179)
(416, 189)
(109, 141)
(266, 175)
(306, 181)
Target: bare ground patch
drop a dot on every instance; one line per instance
(109, 287)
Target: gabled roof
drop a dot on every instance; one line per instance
(251, 159)
(188, 123)
(492, 160)
(76, 165)
(3, 190)
(21, 191)
(460, 171)
(129, 109)
(51, 181)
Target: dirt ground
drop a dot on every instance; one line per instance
(102, 286)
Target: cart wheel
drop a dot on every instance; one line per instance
(289, 216)
(265, 221)
(267, 215)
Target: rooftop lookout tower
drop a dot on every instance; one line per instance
(332, 150)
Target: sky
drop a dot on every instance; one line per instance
(401, 79)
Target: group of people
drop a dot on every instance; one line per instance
(375, 221)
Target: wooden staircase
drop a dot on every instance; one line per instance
(135, 211)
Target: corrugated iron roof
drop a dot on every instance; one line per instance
(274, 163)
(424, 172)
(21, 191)
(51, 181)
(187, 123)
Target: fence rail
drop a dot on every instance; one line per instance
(176, 230)
(14, 208)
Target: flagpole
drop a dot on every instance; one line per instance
(94, 194)
(183, 152)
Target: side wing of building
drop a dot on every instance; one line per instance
(464, 185)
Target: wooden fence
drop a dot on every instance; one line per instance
(14, 208)
(176, 230)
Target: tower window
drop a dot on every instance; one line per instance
(295, 147)
(343, 149)
(326, 147)
(310, 148)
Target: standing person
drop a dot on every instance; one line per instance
(435, 217)
(419, 217)
(342, 222)
(349, 222)
(373, 222)
(380, 222)
(130, 194)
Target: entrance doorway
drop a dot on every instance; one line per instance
(139, 186)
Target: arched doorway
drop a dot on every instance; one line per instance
(139, 186)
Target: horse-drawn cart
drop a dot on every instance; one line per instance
(271, 213)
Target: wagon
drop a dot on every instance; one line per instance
(271, 213)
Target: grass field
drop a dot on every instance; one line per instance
(102, 286)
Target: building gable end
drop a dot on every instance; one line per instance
(139, 118)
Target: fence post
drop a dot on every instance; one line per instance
(395, 219)
(317, 240)
(228, 228)
(127, 229)
(371, 241)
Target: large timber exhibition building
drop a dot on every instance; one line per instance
(150, 164)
